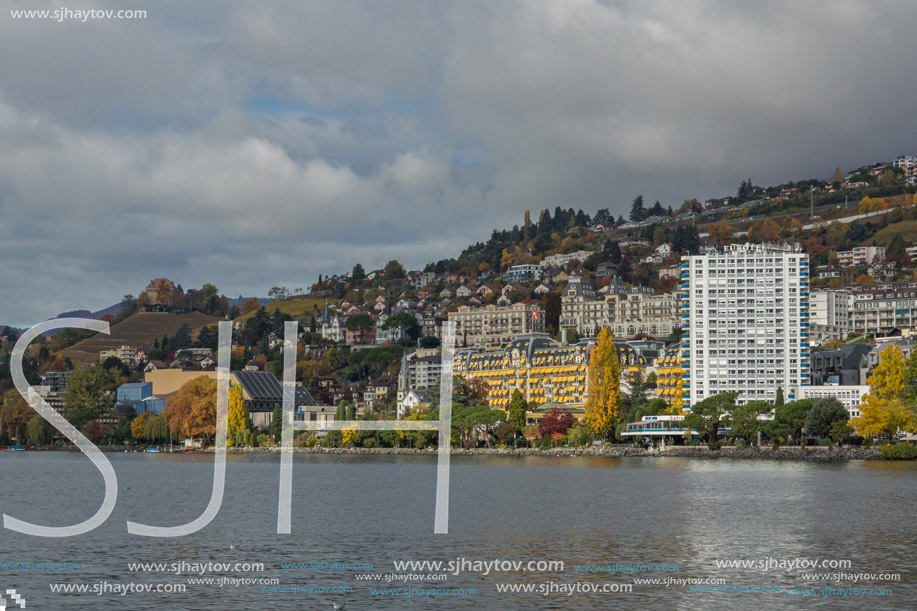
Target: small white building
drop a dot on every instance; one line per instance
(850, 396)
(411, 398)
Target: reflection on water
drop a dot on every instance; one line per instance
(379, 509)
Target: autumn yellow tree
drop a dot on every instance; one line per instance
(507, 259)
(762, 231)
(721, 232)
(885, 409)
(192, 411)
(604, 402)
(15, 414)
(138, 424)
(867, 205)
(348, 435)
(237, 419)
(888, 177)
(792, 226)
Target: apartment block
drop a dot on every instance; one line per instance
(908, 163)
(626, 312)
(830, 313)
(879, 309)
(560, 260)
(745, 322)
(521, 273)
(861, 255)
(581, 307)
(493, 327)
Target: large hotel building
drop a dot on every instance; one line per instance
(744, 315)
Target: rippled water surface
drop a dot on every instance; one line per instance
(379, 509)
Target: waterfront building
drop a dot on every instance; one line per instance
(139, 395)
(535, 365)
(745, 319)
(545, 371)
(850, 396)
(669, 376)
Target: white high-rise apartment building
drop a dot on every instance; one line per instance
(745, 322)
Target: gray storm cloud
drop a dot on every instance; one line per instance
(251, 145)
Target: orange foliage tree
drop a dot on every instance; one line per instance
(192, 412)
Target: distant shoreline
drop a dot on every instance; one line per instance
(819, 453)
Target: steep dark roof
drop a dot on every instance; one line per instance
(265, 391)
(260, 384)
(851, 354)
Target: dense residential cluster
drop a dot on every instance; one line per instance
(795, 295)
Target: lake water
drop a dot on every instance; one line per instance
(656, 513)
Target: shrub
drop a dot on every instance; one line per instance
(311, 440)
(714, 445)
(900, 451)
(520, 443)
(369, 442)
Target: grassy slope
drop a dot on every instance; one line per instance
(907, 229)
(295, 308)
(134, 331)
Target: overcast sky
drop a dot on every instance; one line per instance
(260, 144)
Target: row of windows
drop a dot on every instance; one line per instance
(729, 377)
(759, 292)
(724, 259)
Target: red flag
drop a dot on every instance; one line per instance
(535, 314)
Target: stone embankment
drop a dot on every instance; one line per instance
(609, 451)
(620, 451)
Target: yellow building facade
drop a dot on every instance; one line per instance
(540, 368)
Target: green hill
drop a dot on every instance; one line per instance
(134, 331)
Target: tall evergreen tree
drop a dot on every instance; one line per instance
(637, 211)
(277, 422)
(612, 251)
